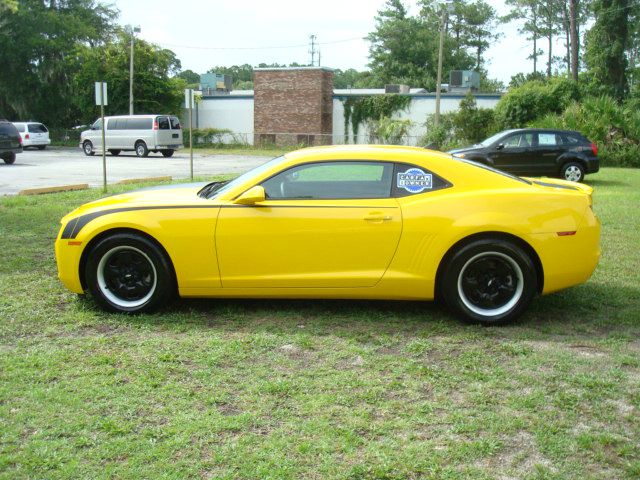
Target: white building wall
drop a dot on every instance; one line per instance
(419, 109)
(232, 113)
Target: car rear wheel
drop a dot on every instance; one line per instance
(9, 158)
(128, 273)
(41, 147)
(167, 153)
(572, 171)
(141, 149)
(489, 281)
(115, 153)
(87, 148)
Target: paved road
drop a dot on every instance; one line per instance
(64, 166)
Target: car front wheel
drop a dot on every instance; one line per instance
(489, 281)
(128, 273)
(572, 171)
(87, 148)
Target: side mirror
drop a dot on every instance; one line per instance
(500, 146)
(253, 195)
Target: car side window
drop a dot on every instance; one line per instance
(411, 180)
(332, 180)
(547, 139)
(518, 140)
(112, 124)
(163, 123)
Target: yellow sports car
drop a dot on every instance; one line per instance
(357, 222)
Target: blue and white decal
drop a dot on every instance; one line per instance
(415, 180)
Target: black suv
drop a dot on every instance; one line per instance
(10, 142)
(536, 152)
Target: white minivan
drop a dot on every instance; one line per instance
(33, 134)
(139, 133)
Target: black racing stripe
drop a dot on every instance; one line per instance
(68, 229)
(75, 225)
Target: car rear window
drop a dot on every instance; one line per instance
(175, 123)
(37, 128)
(8, 129)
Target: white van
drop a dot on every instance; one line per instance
(33, 134)
(139, 133)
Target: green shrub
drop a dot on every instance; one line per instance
(390, 131)
(473, 124)
(214, 137)
(534, 100)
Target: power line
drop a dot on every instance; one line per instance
(273, 47)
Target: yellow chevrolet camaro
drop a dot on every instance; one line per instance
(351, 222)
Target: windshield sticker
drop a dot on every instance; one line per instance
(415, 180)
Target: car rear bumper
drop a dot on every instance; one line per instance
(36, 143)
(593, 165)
(169, 147)
(10, 150)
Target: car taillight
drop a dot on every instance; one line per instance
(155, 125)
(26, 137)
(20, 139)
(594, 148)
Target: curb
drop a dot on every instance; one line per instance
(61, 188)
(143, 180)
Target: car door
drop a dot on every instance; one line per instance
(549, 148)
(323, 224)
(514, 153)
(164, 132)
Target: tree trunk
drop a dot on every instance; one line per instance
(566, 26)
(575, 40)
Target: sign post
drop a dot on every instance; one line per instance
(101, 99)
(188, 101)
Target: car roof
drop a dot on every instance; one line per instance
(545, 130)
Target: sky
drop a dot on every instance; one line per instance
(205, 33)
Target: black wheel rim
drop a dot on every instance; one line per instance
(490, 284)
(129, 275)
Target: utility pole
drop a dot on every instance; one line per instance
(445, 11)
(312, 49)
(132, 31)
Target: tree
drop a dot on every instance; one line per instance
(189, 76)
(472, 26)
(39, 46)
(606, 47)
(157, 88)
(529, 11)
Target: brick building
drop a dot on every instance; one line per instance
(293, 106)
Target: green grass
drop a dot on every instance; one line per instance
(248, 150)
(318, 389)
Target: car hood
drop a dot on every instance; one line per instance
(185, 194)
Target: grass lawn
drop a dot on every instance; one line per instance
(249, 150)
(318, 389)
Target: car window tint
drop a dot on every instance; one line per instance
(139, 123)
(412, 180)
(545, 139)
(332, 180)
(569, 140)
(163, 123)
(112, 124)
(37, 128)
(8, 129)
(175, 123)
(20, 127)
(519, 141)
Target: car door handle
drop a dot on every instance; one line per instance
(377, 217)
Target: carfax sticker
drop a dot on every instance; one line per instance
(415, 180)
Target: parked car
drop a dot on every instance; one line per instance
(139, 133)
(536, 152)
(33, 134)
(350, 222)
(10, 142)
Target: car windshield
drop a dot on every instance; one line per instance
(492, 139)
(215, 189)
(491, 169)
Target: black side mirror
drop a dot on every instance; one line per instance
(500, 146)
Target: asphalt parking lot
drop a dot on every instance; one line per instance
(67, 166)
